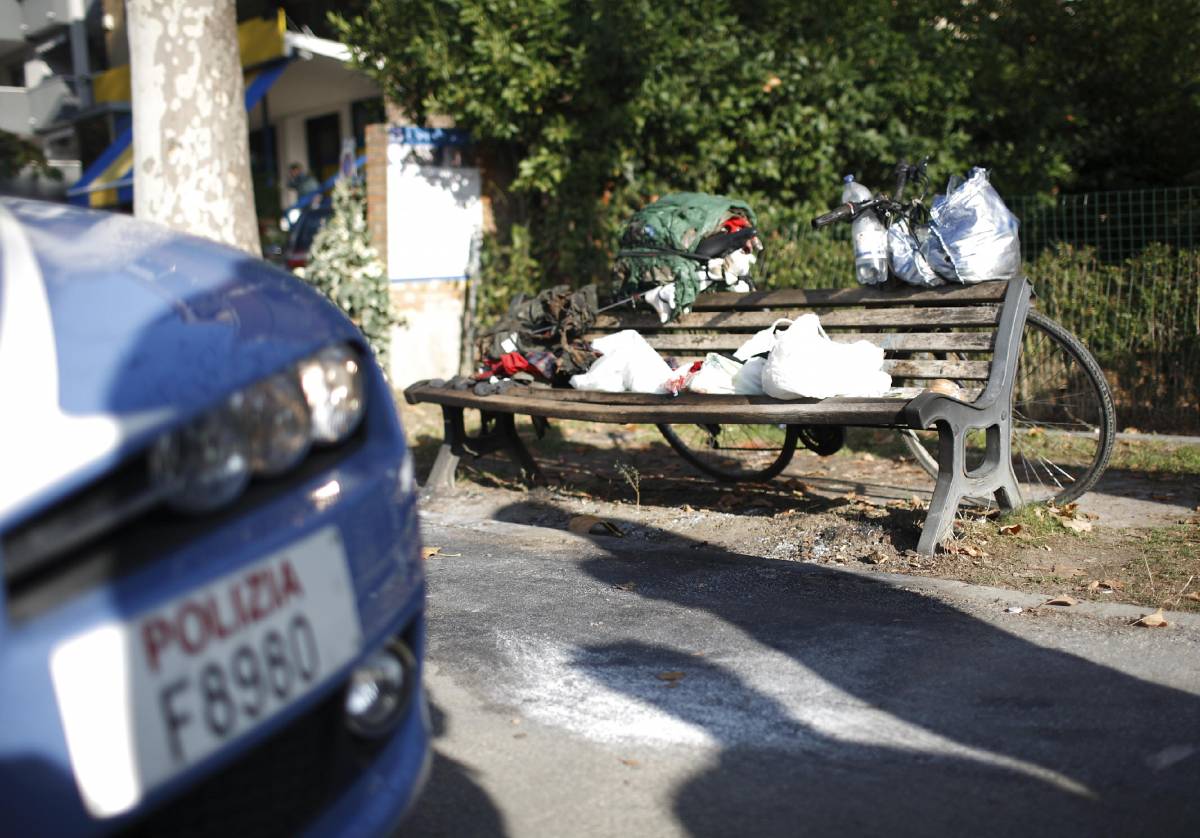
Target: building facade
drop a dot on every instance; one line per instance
(64, 84)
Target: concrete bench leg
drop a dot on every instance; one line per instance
(500, 433)
(441, 476)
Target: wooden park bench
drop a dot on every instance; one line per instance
(969, 334)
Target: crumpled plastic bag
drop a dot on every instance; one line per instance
(905, 256)
(762, 341)
(715, 376)
(805, 363)
(627, 364)
(748, 381)
(976, 231)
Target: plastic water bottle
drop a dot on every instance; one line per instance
(870, 237)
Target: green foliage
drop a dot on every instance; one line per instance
(583, 113)
(18, 154)
(1084, 95)
(344, 266)
(1140, 317)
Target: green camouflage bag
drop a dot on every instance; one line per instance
(659, 242)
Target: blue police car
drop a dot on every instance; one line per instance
(212, 615)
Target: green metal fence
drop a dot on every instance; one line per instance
(1118, 225)
(1122, 271)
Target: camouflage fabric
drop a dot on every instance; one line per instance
(555, 320)
(659, 242)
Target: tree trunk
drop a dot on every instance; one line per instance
(190, 140)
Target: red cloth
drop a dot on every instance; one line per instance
(513, 363)
(734, 224)
(508, 365)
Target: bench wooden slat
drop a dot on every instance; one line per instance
(905, 316)
(914, 370)
(798, 298)
(967, 370)
(890, 341)
(886, 410)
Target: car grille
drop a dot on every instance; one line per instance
(276, 789)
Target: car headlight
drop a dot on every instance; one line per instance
(262, 430)
(274, 419)
(333, 384)
(203, 465)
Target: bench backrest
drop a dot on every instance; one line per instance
(947, 332)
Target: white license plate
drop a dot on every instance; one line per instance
(143, 699)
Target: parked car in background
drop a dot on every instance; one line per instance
(212, 614)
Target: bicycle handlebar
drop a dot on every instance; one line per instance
(845, 212)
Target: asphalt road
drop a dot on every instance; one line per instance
(649, 686)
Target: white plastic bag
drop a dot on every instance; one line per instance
(627, 363)
(748, 381)
(762, 341)
(715, 376)
(805, 363)
(977, 231)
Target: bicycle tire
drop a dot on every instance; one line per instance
(1082, 414)
(751, 456)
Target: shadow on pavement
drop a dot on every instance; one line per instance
(460, 806)
(925, 718)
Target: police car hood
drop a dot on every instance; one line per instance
(113, 329)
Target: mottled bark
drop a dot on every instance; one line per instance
(191, 149)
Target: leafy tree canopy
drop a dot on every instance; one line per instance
(584, 111)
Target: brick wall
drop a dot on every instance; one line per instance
(377, 141)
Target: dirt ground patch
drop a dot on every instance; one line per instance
(862, 507)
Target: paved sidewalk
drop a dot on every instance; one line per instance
(599, 686)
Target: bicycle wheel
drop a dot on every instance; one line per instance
(1064, 424)
(734, 453)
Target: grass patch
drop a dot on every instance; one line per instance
(1164, 567)
(1156, 457)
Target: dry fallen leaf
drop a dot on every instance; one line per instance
(430, 552)
(1075, 525)
(1062, 599)
(1155, 620)
(1068, 570)
(1011, 529)
(592, 525)
(632, 763)
(1194, 596)
(1112, 584)
(627, 586)
(673, 675)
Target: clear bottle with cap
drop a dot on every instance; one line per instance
(870, 237)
